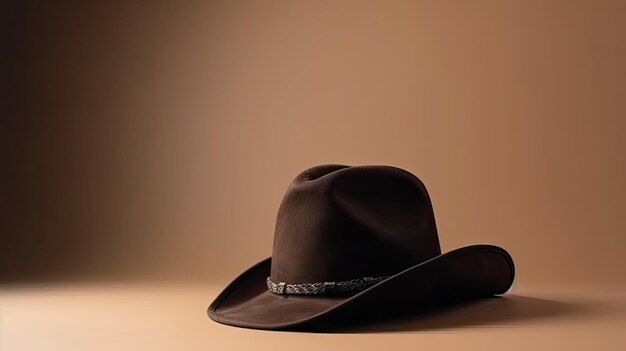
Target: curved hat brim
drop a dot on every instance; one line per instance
(467, 272)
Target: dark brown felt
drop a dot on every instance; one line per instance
(473, 271)
(339, 223)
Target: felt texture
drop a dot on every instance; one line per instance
(338, 223)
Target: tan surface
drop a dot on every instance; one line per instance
(173, 318)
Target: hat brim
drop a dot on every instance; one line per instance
(467, 272)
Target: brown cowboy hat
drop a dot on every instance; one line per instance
(352, 242)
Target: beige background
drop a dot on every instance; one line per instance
(151, 141)
(154, 141)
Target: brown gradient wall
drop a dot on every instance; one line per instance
(155, 141)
